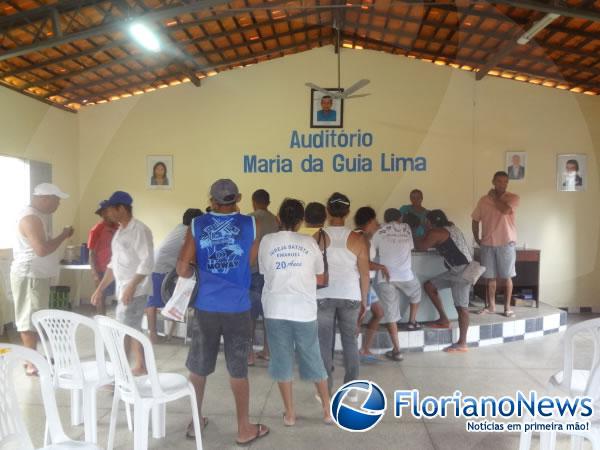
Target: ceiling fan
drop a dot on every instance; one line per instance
(339, 93)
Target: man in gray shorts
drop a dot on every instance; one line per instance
(452, 246)
(496, 213)
(393, 244)
(130, 267)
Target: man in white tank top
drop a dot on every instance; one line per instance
(344, 300)
(35, 260)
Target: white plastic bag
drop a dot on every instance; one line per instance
(178, 303)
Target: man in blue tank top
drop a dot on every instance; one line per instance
(222, 245)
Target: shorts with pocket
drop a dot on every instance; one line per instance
(390, 293)
(499, 261)
(207, 329)
(452, 279)
(29, 295)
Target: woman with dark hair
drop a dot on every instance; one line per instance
(159, 175)
(451, 244)
(292, 265)
(366, 223)
(344, 300)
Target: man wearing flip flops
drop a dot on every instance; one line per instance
(496, 213)
(223, 245)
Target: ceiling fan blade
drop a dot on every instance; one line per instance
(318, 88)
(355, 87)
(356, 96)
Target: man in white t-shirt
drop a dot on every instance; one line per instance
(393, 243)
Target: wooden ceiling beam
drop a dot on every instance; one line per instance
(472, 48)
(560, 8)
(475, 64)
(322, 40)
(198, 68)
(111, 27)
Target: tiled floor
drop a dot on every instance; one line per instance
(495, 370)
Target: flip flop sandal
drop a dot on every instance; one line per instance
(394, 356)
(413, 326)
(259, 427)
(190, 433)
(485, 311)
(288, 423)
(263, 356)
(369, 359)
(456, 349)
(509, 313)
(438, 325)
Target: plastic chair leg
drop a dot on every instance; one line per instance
(76, 407)
(128, 414)
(548, 440)
(525, 441)
(141, 416)
(114, 412)
(576, 442)
(90, 416)
(159, 426)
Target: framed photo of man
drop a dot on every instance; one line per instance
(326, 111)
(516, 163)
(571, 172)
(159, 171)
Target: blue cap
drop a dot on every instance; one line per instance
(119, 198)
(102, 205)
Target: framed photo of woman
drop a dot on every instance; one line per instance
(159, 171)
(571, 172)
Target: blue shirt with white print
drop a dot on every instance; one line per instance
(223, 243)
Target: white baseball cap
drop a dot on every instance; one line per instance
(49, 189)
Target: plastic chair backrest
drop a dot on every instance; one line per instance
(114, 334)
(589, 326)
(58, 331)
(12, 427)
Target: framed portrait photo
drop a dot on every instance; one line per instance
(516, 164)
(571, 172)
(159, 171)
(325, 110)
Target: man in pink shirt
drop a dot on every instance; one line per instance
(496, 213)
(99, 242)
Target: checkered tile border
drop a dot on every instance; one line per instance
(431, 339)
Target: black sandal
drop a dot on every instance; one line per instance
(394, 355)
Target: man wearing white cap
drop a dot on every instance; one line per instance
(35, 260)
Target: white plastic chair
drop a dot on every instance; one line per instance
(12, 428)
(573, 381)
(146, 393)
(57, 330)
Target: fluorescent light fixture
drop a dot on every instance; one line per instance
(537, 27)
(145, 37)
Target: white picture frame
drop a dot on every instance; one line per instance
(571, 172)
(155, 177)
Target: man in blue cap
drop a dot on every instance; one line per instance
(99, 242)
(130, 267)
(222, 244)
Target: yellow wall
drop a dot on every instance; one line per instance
(462, 127)
(32, 130)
